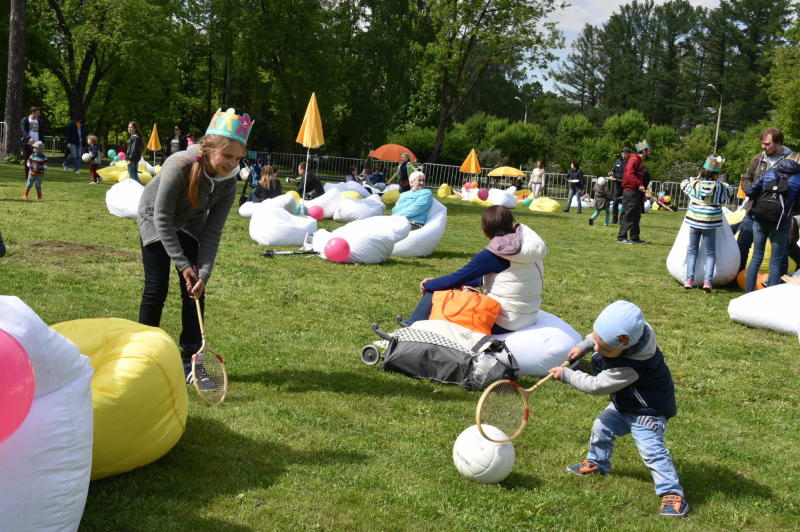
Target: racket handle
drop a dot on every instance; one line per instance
(550, 375)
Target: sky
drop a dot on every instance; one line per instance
(596, 12)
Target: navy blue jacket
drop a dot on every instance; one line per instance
(789, 169)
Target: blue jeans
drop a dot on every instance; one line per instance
(74, 157)
(648, 433)
(34, 180)
(709, 242)
(779, 240)
(745, 240)
(573, 192)
(423, 312)
(133, 171)
(597, 213)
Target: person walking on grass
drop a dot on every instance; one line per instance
(704, 215)
(181, 215)
(576, 185)
(633, 189)
(31, 129)
(94, 159)
(616, 174)
(134, 152)
(36, 164)
(630, 367)
(76, 136)
(602, 199)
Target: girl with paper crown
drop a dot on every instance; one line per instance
(181, 215)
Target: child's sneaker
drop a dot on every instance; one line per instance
(688, 284)
(673, 506)
(591, 221)
(707, 287)
(585, 468)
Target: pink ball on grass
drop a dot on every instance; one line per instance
(337, 249)
(316, 212)
(17, 385)
(483, 194)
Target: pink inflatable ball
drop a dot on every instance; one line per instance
(316, 212)
(301, 210)
(483, 194)
(467, 185)
(337, 249)
(17, 385)
(121, 155)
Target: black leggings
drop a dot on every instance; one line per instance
(156, 285)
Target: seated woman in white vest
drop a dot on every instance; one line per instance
(510, 269)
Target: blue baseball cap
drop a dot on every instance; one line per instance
(620, 318)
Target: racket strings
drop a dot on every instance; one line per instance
(503, 408)
(210, 377)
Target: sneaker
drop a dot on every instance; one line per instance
(707, 287)
(92, 183)
(203, 380)
(624, 241)
(65, 168)
(585, 468)
(688, 284)
(605, 225)
(187, 372)
(673, 506)
(591, 221)
(75, 172)
(638, 241)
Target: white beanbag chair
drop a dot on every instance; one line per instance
(371, 240)
(541, 346)
(505, 198)
(328, 201)
(424, 241)
(46, 464)
(775, 307)
(349, 209)
(727, 256)
(284, 201)
(347, 185)
(588, 202)
(123, 198)
(272, 226)
(390, 187)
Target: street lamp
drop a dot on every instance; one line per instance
(719, 116)
(525, 120)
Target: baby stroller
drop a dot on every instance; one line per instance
(250, 174)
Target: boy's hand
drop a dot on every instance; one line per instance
(575, 353)
(556, 373)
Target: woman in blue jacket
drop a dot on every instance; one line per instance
(415, 203)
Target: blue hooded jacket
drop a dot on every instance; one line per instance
(786, 168)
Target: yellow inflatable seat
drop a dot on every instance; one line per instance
(764, 268)
(391, 197)
(352, 194)
(117, 172)
(454, 196)
(138, 391)
(545, 204)
(735, 217)
(477, 201)
(444, 191)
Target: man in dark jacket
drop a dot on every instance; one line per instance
(76, 138)
(632, 190)
(313, 188)
(31, 130)
(616, 173)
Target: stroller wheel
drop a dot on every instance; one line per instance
(370, 355)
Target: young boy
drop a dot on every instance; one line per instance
(37, 164)
(630, 367)
(94, 158)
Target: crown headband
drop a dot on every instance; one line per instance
(714, 163)
(230, 124)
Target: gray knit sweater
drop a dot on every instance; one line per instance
(164, 209)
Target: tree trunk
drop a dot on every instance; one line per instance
(15, 81)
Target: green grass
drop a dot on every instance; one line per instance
(312, 438)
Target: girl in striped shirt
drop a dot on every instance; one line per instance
(706, 195)
(37, 164)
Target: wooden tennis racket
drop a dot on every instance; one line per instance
(208, 369)
(505, 405)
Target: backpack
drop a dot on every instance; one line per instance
(770, 204)
(447, 353)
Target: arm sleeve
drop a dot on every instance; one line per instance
(212, 231)
(169, 189)
(582, 183)
(608, 381)
(471, 273)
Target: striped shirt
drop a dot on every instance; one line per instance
(705, 202)
(36, 164)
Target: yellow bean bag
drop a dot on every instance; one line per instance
(477, 201)
(352, 194)
(138, 391)
(454, 196)
(764, 268)
(735, 217)
(117, 172)
(545, 204)
(444, 191)
(295, 195)
(391, 197)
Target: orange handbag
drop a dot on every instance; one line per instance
(468, 308)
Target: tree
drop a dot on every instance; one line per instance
(783, 83)
(579, 77)
(15, 78)
(469, 37)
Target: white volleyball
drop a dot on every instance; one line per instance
(482, 460)
(86, 157)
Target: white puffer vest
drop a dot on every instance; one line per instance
(519, 288)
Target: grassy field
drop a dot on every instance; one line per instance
(311, 438)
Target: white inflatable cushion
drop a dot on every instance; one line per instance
(775, 307)
(541, 346)
(588, 202)
(122, 199)
(371, 240)
(727, 256)
(328, 201)
(347, 185)
(56, 361)
(424, 241)
(284, 201)
(349, 209)
(271, 226)
(505, 198)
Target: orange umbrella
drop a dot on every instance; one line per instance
(392, 152)
(471, 164)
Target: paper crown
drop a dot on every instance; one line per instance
(714, 163)
(231, 125)
(641, 146)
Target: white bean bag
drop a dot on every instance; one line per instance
(328, 201)
(541, 346)
(505, 198)
(46, 464)
(123, 198)
(284, 201)
(346, 186)
(371, 240)
(424, 241)
(349, 209)
(775, 307)
(390, 187)
(585, 202)
(272, 226)
(727, 256)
